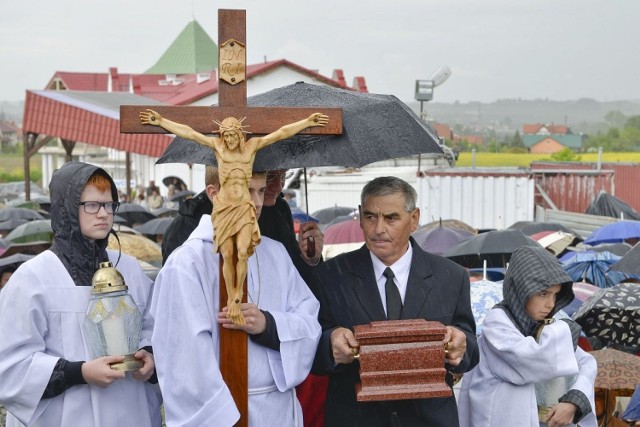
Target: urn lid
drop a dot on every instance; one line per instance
(107, 279)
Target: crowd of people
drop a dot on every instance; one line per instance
(299, 318)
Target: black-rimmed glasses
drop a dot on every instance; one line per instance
(94, 207)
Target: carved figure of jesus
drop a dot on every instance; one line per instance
(236, 231)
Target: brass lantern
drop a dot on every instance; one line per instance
(113, 322)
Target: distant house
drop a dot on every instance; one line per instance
(10, 134)
(470, 139)
(549, 139)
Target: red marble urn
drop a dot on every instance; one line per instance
(401, 359)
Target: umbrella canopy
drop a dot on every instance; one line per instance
(612, 315)
(31, 248)
(617, 370)
(439, 240)
(615, 232)
(12, 223)
(449, 223)
(533, 227)
(32, 231)
(619, 249)
(165, 212)
(178, 183)
(14, 259)
(594, 267)
(374, 128)
(155, 226)
(19, 213)
(327, 215)
(137, 246)
(300, 216)
(630, 262)
(494, 246)
(134, 214)
(555, 241)
(484, 295)
(342, 237)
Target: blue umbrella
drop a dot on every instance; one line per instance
(594, 267)
(615, 232)
(300, 215)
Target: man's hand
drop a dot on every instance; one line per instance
(343, 345)
(98, 371)
(254, 321)
(455, 342)
(561, 414)
(311, 229)
(148, 365)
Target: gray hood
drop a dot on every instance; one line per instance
(80, 256)
(532, 270)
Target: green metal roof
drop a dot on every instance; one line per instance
(193, 51)
(569, 140)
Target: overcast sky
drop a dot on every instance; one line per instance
(555, 49)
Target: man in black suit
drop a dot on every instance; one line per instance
(358, 287)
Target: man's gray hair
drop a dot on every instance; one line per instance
(387, 185)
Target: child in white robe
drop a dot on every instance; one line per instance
(47, 374)
(500, 390)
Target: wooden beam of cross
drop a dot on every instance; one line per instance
(232, 100)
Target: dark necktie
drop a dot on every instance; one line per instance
(394, 302)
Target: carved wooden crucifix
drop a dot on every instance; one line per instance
(232, 101)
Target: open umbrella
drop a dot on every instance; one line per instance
(134, 214)
(12, 223)
(14, 259)
(612, 315)
(555, 241)
(615, 232)
(594, 267)
(533, 227)
(616, 369)
(374, 128)
(155, 226)
(327, 215)
(300, 216)
(439, 240)
(36, 230)
(484, 295)
(31, 248)
(137, 246)
(494, 246)
(630, 262)
(342, 237)
(449, 223)
(19, 213)
(165, 212)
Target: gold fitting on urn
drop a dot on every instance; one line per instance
(107, 279)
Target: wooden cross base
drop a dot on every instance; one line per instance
(233, 358)
(401, 359)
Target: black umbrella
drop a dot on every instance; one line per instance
(612, 315)
(326, 215)
(533, 227)
(630, 262)
(155, 226)
(182, 195)
(134, 214)
(374, 128)
(19, 213)
(175, 181)
(12, 223)
(165, 212)
(494, 246)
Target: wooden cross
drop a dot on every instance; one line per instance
(232, 101)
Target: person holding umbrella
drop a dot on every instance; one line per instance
(523, 347)
(47, 376)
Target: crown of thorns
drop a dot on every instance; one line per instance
(235, 125)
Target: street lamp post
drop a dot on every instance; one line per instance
(424, 88)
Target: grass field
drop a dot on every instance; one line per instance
(524, 160)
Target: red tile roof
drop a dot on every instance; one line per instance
(91, 117)
(185, 89)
